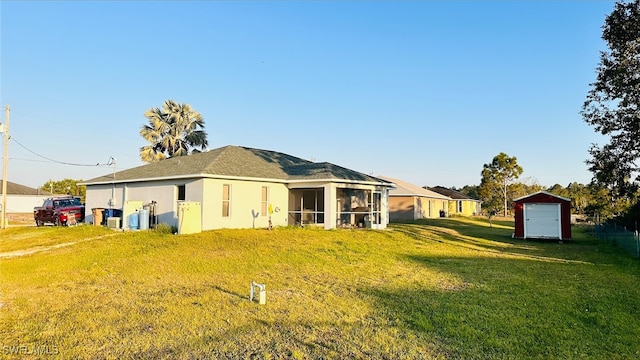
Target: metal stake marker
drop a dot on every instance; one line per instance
(262, 295)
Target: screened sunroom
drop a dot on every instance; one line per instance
(333, 206)
(306, 206)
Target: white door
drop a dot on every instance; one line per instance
(542, 221)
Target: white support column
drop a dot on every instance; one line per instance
(384, 208)
(330, 199)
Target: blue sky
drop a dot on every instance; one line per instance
(422, 91)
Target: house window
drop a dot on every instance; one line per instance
(459, 206)
(264, 208)
(181, 192)
(226, 200)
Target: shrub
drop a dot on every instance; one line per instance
(165, 228)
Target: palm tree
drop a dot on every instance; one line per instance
(174, 130)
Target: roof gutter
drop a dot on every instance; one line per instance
(441, 197)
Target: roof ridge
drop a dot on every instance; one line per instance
(544, 192)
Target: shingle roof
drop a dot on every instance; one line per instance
(238, 161)
(456, 195)
(404, 188)
(17, 189)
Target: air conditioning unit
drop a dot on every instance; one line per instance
(113, 222)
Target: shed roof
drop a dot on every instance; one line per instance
(238, 162)
(404, 188)
(520, 199)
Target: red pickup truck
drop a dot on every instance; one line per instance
(59, 211)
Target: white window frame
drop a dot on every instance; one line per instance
(227, 213)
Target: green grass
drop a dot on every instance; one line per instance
(27, 238)
(443, 288)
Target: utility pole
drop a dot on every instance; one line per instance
(5, 161)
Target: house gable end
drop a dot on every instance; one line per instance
(542, 197)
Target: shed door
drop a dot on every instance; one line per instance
(542, 221)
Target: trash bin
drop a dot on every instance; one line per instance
(97, 216)
(133, 221)
(112, 213)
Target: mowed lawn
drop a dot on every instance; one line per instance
(443, 288)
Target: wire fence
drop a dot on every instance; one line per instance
(619, 236)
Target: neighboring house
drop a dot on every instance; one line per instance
(460, 204)
(542, 215)
(22, 199)
(411, 202)
(240, 187)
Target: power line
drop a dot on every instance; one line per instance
(109, 163)
(31, 160)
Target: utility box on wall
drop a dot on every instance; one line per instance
(129, 207)
(189, 217)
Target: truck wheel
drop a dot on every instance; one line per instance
(56, 221)
(39, 223)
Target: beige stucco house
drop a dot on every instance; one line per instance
(241, 187)
(411, 202)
